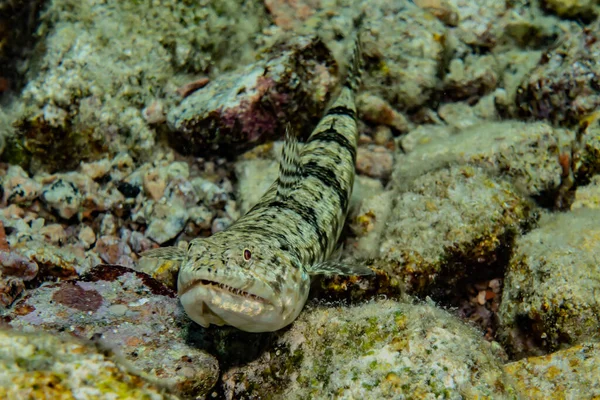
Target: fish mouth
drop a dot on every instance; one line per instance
(221, 287)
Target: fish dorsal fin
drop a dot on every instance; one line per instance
(166, 253)
(290, 169)
(336, 267)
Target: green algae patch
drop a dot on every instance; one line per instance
(102, 74)
(382, 349)
(561, 375)
(450, 223)
(550, 295)
(40, 365)
(38, 145)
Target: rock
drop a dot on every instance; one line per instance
(524, 153)
(64, 262)
(570, 373)
(565, 85)
(167, 221)
(382, 349)
(113, 250)
(129, 313)
(87, 236)
(369, 220)
(54, 233)
(154, 185)
(459, 116)
(550, 297)
(449, 224)
(62, 197)
(18, 187)
(588, 196)
(378, 111)
(374, 161)
(477, 21)
(40, 365)
(403, 73)
(585, 9)
(84, 95)
(229, 114)
(471, 78)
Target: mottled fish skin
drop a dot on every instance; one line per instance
(255, 275)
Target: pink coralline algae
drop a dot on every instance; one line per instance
(74, 296)
(236, 111)
(127, 312)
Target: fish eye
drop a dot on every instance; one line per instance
(247, 255)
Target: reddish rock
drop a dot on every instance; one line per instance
(239, 110)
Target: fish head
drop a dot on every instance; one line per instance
(252, 286)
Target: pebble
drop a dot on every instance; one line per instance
(16, 265)
(54, 233)
(108, 225)
(155, 113)
(96, 169)
(10, 289)
(86, 236)
(167, 221)
(442, 9)
(154, 185)
(201, 216)
(374, 161)
(113, 250)
(383, 135)
(4, 246)
(481, 297)
(496, 285)
(63, 197)
(137, 241)
(15, 270)
(378, 111)
(13, 211)
(18, 187)
(210, 193)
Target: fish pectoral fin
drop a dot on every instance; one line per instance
(336, 267)
(166, 253)
(290, 168)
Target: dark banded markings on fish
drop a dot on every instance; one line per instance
(307, 214)
(342, 110)
(333, 136)
(328, 178)
(266, 224)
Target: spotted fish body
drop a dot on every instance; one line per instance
(255, 275)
